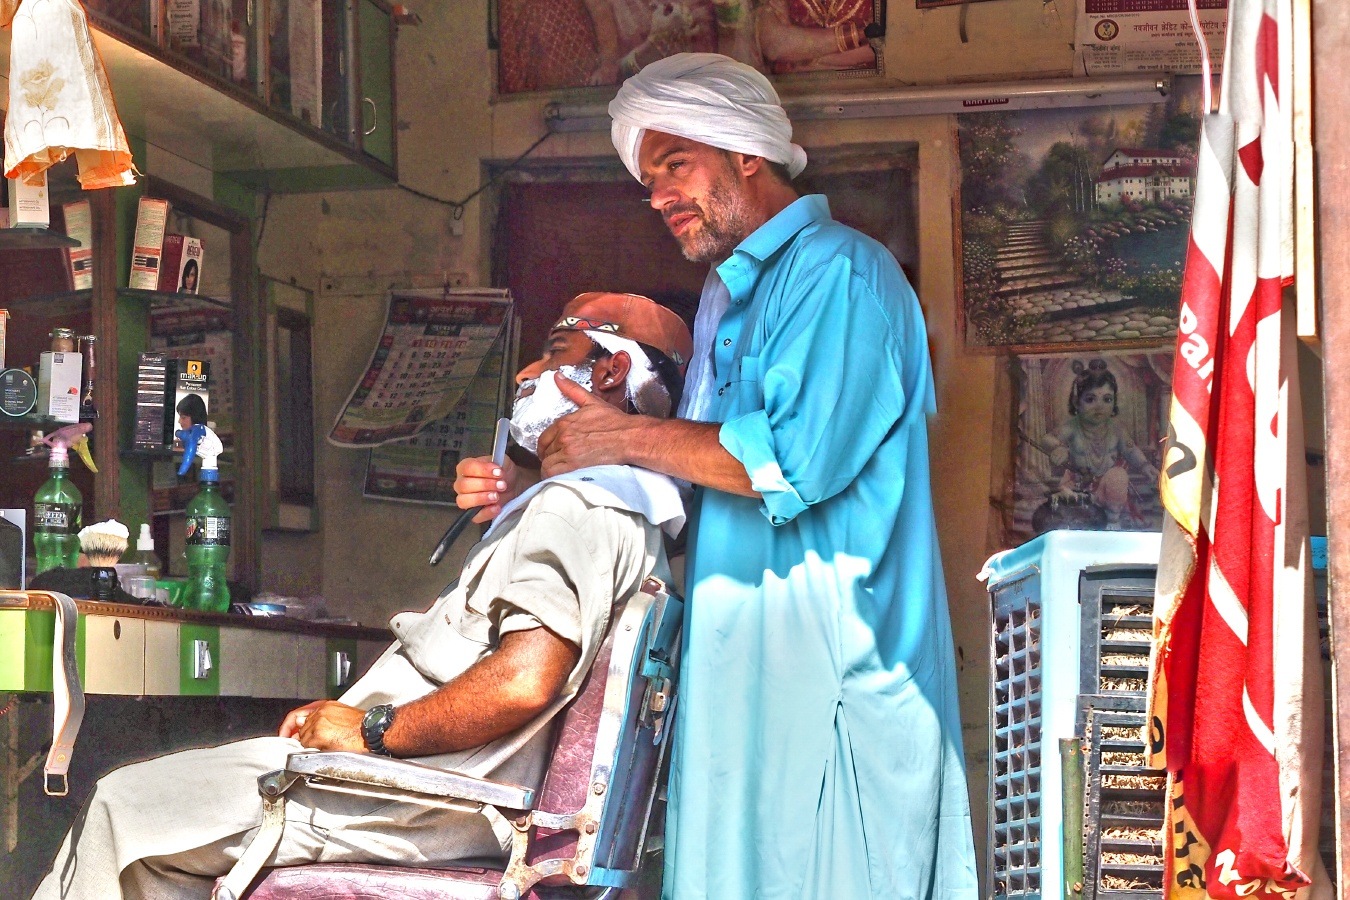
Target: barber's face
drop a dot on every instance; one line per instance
(699, 193)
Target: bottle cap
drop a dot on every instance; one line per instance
(144, 541)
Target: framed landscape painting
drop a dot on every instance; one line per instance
(1073, 223)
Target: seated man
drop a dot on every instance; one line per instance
(470, 685)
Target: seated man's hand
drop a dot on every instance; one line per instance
(479, 482)
(326, 725)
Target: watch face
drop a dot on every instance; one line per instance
(374, 724)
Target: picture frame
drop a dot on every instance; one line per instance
(552, 45)
(1071, 224)
(1087, 441)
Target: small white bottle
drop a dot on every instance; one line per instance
(145, 552)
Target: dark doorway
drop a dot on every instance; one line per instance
(558, 238)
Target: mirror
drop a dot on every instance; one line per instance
(289, 381)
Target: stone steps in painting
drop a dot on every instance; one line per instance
(1053, 280)
(1029, 270)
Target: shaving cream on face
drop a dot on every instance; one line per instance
(531, 416)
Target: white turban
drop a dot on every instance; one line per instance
(705, 97)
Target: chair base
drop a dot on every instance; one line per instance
(350, 881)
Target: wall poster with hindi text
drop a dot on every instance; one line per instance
(432, 348)
(421, 469)
(1120, 37)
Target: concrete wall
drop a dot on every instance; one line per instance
(347, 247)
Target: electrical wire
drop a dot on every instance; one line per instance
(459, 205)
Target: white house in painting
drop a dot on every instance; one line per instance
(1145, 176)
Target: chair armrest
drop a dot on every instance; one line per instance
(404, 775)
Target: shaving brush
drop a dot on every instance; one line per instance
(103, 544)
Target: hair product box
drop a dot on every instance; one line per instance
(180, 268)
(4, 326)
(190, 377)
(29, 202)
(59, 386)
(152, 217)
(79, 225)
(152, 417)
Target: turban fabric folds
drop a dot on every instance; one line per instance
(705, 97)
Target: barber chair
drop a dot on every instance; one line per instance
(580, 837)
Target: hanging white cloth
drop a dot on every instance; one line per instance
(59, 99)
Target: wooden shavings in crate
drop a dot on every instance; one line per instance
(1124, 833)
(1136, 782)
(1116, 883)
(1133, 807)
(1124, 685)
(1127, 634)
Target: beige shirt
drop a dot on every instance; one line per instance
(561, 562)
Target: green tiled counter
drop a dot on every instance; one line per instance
(154, 651)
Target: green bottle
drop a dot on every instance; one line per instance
(208, 526)
(58, 506)
(58, 512)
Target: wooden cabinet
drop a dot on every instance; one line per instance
(320, 69)
(149, 651)
(126, 323)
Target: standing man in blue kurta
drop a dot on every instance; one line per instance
(818, 745)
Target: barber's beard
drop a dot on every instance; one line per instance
(723, 223)
(531, 416)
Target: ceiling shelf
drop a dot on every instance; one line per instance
(172, 105)
(24, 238)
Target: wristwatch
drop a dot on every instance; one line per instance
(373, 726)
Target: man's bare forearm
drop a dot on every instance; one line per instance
(492, 698)
(690, 451)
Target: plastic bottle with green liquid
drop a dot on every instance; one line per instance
(208, 525)
(58, 506)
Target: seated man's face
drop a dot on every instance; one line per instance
(539, 403)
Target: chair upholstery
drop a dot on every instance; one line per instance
(597, 792)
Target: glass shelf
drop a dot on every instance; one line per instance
(21, 238)
(33, 422)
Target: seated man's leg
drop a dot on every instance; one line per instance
(166, 828)
(173, 804)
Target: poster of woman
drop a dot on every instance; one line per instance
(551, 44)
(1088, 445)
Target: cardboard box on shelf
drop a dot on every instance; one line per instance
(29, 202)
(152, 217)
(180, 269)
(190, 376)
(79, 225)
(59, 386)
(151, 402)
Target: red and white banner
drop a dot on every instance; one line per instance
(1234, 664)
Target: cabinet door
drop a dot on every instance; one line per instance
(375, 33)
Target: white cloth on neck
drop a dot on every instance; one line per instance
(708, 98)
(649, 494)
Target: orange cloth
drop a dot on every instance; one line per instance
(59, 99)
